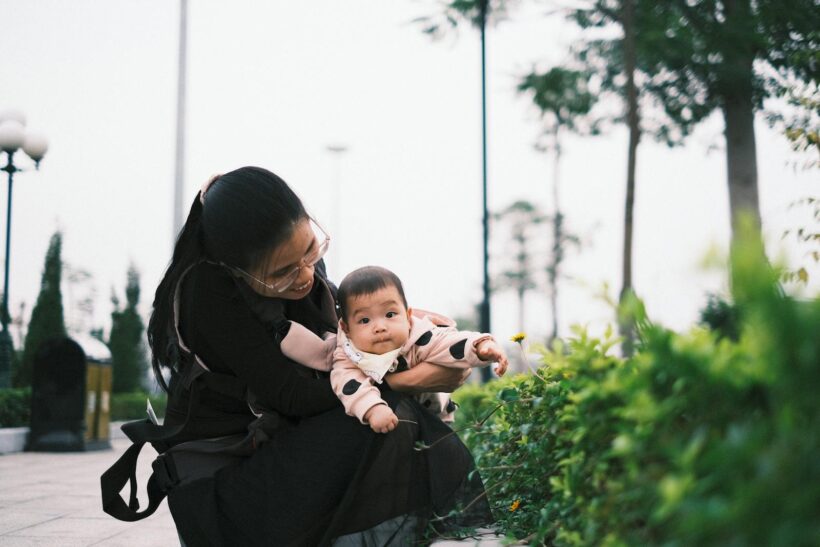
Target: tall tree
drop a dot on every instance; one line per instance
(520, 217)
(47, 316)
(701, 56)
(565, 101)
(633, 122)
(128, 357)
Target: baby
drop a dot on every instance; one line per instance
(378, 334)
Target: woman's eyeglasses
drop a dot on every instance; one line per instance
(283, 282)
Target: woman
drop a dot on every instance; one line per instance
(248, 260)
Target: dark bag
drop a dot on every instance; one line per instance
(178, 463)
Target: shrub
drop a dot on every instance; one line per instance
(15, 407)
(695, 440)
(131, 406)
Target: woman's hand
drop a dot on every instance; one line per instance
(426, 377)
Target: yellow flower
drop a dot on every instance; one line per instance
(518, 338)
(515, 505)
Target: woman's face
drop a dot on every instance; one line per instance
(288, 256)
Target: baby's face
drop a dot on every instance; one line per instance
(377, 322)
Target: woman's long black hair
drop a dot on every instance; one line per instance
(246, 215)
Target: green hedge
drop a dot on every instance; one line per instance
(15, 407)
(131, 406)
(696, 440)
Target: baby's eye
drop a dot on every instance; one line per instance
(391, 314)
(364, 321)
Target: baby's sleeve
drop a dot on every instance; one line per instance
(354, 388)
(447, 346)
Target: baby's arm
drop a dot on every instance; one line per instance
(447, 346)
(305, 347)
(382, 419)
(355, 389)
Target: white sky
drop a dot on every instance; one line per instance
(272, 83)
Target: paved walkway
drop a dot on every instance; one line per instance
(54, 499)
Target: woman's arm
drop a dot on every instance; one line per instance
(426, 377)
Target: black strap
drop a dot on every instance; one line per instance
(225, 384)
(114, 479)
(125, 468)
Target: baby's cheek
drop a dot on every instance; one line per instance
(357, 337)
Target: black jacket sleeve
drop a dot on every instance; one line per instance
(221, 328)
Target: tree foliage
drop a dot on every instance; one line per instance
(454, 12)
(564, 98)
(698, 56)
(519, 275)
(128, 357)
(47, 316)
(688, 51)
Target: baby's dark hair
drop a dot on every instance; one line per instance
(367, 280)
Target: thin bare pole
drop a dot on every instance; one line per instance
(179, 169)
(337, 150)
(485, 300)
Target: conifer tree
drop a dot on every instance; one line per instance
(47, 316)
(126, 339)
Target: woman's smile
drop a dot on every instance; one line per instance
(302, 288)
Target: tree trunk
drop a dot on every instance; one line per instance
(557, 242)
(741, 159)
(633, 120)
(738, 114)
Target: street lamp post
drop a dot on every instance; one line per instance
(337, 150)
(484, 318)
(13, 136)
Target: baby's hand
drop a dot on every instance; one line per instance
(381, 419)
(489, 350)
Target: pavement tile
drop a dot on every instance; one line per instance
(89, 530)
(62, 503)
(12, 520)
(37, 489)
(12, 500)
(141, 537)
(19, 541)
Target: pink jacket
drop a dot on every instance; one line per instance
(441, 345)
(433, 339)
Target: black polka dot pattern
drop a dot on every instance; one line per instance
(402, 364)
(351, 387)
(425, 338)
(457, 349)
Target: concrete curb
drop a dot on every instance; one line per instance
(13, 439)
